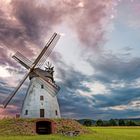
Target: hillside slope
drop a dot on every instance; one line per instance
(28, 126)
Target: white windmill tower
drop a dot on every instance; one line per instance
(40, 99)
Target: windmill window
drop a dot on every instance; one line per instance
(42, 113)
(26, 112)
(42, 86)
(41, 98)
(56, 113)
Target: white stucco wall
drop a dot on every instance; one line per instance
(33, 104)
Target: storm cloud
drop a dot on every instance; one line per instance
(25, 24)
(114, 84)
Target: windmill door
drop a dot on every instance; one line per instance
(42, 112)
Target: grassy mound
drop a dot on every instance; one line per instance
(69, 125)
(19, 126)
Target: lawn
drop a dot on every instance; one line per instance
(98, 133)
(116, 133)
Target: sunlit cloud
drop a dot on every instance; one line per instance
(96, 87)
(133, 105)
(4, 72)
(80, 4)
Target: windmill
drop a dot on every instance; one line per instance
(40, 99)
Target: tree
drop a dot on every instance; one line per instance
(87, 122)
(112, 122)
(99, 122)
(121, 122)
(130, 123)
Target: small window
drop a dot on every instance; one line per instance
(42, 86)
(56, 113)
(41, 98)
(26, 112)
(42, 112)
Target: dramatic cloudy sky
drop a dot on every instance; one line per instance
(97, 62)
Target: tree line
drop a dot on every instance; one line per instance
(111, 122)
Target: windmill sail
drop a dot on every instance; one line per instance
(41, 58)
(22, 60)
(9, 98)
(47, 50)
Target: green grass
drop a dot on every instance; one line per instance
(98, 133)
(117, 133)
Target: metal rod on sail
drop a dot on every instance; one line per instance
(9, 98)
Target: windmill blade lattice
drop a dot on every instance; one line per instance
(9, 98)
(51, 44)
(22, 60)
